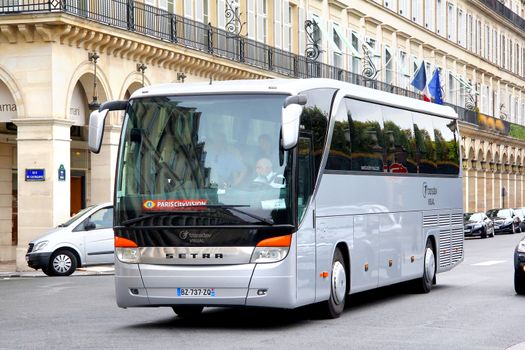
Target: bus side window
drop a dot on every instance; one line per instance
(305, 178)
(425, 145)
(366, 137)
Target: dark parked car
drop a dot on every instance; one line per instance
(519, 267)
(505, 220)
(478, 224)
(520, 212)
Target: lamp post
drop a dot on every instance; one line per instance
(94, 104)
(141, 67)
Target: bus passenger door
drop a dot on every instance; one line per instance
(306, 233)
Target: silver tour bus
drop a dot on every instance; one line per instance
(280, 193)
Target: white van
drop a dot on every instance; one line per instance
(85, 239)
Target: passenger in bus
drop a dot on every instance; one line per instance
(266, 175)
(226, 167)
(264, 147)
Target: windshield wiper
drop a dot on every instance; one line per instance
(236, 208)
(221, 206)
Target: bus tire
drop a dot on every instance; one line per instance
(334, 306)
(424, 284)
(188, 311)
(519, 282)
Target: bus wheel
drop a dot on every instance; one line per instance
(424, 284)
(334, 306)
(188, 311)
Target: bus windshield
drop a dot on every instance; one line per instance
(203, 161)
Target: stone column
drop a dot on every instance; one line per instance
(103, 166)
(480, 189)
(42, 144)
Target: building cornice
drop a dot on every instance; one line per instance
(65, 29)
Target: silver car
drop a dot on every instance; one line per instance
(85, 239)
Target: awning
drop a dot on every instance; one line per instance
(465, 83)
(348, 44)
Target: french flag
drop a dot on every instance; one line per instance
(420, 81)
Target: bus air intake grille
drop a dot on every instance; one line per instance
(444, 248)
(457, 219)
(457, 245)
(444, 219)
(430, 220)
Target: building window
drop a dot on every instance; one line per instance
(487, 42)
(356, 60)
(451, 87)
(478, 35)
(389, 65)
(416, 16)
(429, 14)
(403, 8)
(404, 74)
(287, 26)
(337, 57)
(440, 17)
(495, 46)
(462, 35)
(503, 53)
(451, 25)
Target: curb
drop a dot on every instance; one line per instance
(78, 272)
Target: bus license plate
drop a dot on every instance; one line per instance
(195, 292)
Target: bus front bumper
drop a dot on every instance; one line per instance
(265, 285)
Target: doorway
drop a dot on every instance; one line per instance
(78, 191)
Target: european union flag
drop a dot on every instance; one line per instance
(434, 87)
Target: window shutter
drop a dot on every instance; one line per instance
(302, 36)
(188, 9)
(277, 10)
(199, 10)
(251, 20)
(287, 25)
(260, 20)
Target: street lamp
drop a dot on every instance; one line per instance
(94, 104)
(141, 67)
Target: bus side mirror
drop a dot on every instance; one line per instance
(97, 120)
(291, 118)
(96, 129)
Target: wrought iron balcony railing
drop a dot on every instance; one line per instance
(159, 24)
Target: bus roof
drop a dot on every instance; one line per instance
(295, 86)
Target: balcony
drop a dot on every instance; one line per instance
(158, 24)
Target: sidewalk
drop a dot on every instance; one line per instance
(8, 270)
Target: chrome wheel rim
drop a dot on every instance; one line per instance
(430, 265)
(62, 263)
(338, 282)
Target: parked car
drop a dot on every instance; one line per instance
(85, 239)
(519, 267)
(520, 212)
(505, 220)
(478, 224)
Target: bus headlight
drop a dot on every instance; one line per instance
(272, 249)
(127, 250)
(128, 255)
(269, 254)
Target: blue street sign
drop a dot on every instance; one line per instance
(61, 173)
(35, 174)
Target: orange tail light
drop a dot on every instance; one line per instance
(124, 243)
(281, 241)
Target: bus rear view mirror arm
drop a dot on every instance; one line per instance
(291, 117)
(97, 120)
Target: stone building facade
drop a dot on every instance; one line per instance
(59, 58)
